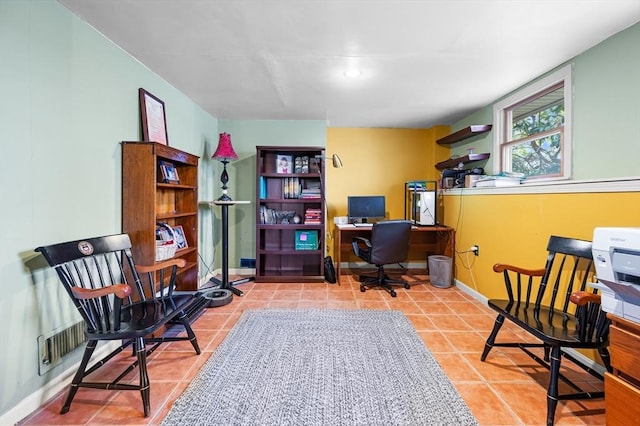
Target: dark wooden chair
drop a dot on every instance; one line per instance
(555, 305)
(120, 301)
(389, 244)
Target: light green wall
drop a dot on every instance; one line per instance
(69, 96)
(606, 111)
(606, 106)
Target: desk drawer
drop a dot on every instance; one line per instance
(624, 349)
(621, 402)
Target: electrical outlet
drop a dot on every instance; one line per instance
(475, 249)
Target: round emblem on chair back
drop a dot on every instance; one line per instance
(85, 248)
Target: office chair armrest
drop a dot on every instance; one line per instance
(501, 267)
(180, 263)
(356, 241)
(581, 298)
(363, 240)
(120, 290)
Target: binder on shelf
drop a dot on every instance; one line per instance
(263, 187)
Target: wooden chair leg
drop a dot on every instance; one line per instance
(552, 391)
(492, 337)
(77, 379)
(192, 336)
(145, 392)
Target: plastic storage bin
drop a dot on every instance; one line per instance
(440, 271)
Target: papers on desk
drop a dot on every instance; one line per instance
(354, 225)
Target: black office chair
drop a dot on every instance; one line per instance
(389, 244)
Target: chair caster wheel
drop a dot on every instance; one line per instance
(362, 289)
(407, 286)
(393, 293)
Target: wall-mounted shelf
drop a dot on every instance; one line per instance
(465, 133)
(453, 162)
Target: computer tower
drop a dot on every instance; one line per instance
(423, 207)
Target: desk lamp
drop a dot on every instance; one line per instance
(224, 153)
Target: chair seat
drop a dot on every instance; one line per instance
(143, 318)
(561, 330)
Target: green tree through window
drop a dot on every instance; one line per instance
(533, 129)
(538, 142)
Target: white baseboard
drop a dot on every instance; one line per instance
(38, 398)
(585, 360)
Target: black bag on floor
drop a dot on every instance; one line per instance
(329, 271)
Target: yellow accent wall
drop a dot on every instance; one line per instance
(378, 162)
(515, 228)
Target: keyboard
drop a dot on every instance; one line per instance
(363, 225)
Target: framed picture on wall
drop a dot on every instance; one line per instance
(154, 118)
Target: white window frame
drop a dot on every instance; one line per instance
(500, 127)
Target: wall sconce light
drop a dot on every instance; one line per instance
(335, 160)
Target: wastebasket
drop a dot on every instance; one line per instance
(440, 271)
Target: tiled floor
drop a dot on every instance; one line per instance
(508, 389)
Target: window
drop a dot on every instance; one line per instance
(533, 129)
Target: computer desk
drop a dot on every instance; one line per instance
(425, 241)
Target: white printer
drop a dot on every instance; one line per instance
(616, 254)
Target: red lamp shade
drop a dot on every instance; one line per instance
(225, 149)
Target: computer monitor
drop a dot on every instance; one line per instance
(362, 208)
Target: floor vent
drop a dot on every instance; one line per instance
(57, 343)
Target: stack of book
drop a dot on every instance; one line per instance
(313, 217)
(311, 190)
(500, 180)
(310, 193)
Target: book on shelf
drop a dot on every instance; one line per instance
(310, 193)
(306, 240)
(291, 187)
(313, 216)
(263, 187)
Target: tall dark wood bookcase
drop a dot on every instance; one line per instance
(293, 251)
(147, 200)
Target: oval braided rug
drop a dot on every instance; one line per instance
(321, 367)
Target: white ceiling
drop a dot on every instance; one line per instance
(423, 62)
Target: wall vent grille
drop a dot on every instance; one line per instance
(53, 346)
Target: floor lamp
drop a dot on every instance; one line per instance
(224, 153)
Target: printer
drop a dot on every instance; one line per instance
(616, 255)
